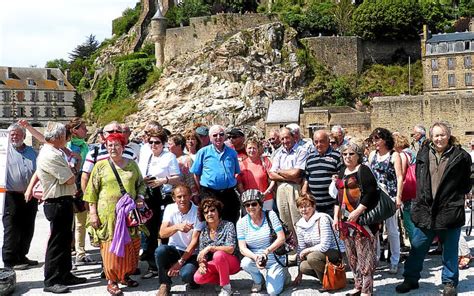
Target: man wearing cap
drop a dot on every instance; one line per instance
(215, 169)
(287, 169)
(203, 133)
(237, 139)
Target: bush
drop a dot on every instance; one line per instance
(180, 15)
(152, 77)
(129, 18)
(117, 111)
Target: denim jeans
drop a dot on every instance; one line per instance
(422, 239)
(407, 222)
(166, 256)
(275, 275)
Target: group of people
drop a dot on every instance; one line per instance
(220, 200)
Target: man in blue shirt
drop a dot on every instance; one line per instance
(215, 169)
(19, 214)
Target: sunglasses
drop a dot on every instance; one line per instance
(251, 204)
(113, 132)
(219, 134)
(348, 154)
(209, 211)
(332, 142)
(154, 142)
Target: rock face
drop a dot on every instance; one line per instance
(229, 83)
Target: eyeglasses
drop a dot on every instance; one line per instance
(113, 132)
(219, 134)
(154, 142)
(251, 204)
(209, 211)
(348, 154)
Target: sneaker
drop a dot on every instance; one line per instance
(150, 274)
(406, 287)
(226, 291)
(256, 288)
(56, 289)
(164, 290)
(393, 269)
(85, 261)
(449, 290)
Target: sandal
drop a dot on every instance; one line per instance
(464, 262)
(130, 283)
(114, 289)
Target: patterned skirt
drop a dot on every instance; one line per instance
(118, 268)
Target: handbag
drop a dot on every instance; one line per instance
(136, 216)
(409, 183)
(384, 209)
(334, 277)
(290, 243)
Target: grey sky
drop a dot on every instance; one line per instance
(35, 31)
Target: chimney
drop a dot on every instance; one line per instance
(48, 74)
(424, 37)
(67, 74)
(9, 73)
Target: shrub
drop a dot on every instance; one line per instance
(129, 18)
(180, 15)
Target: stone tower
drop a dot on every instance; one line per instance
(158, 32)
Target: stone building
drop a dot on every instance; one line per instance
(35, 94)
(281, 113)
(448, 62)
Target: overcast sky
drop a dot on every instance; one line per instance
(35, 31)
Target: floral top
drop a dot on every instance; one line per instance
(384, 171)
(225, 236)
(103, 190)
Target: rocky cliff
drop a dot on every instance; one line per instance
(230, 82)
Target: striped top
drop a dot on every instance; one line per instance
(257, 237)
(319, 170)
(316, 234)
(102, 154)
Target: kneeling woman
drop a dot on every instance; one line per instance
(217, 247)
(253, 235)
(316, 240)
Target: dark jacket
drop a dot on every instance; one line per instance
(446, 209)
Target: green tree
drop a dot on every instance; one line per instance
(62, 64)
(435, 15)
(387, 19)
(179, 15)
(86, 49)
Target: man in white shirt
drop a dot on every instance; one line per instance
(182, 226)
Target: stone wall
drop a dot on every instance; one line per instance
(403, 112)
(204, 29)
(348, 54)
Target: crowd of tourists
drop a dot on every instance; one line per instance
(207, 203)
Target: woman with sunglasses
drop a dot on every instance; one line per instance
(386, 165)
(253, 235)
(357, 193)
(217, 248)
(160, 171)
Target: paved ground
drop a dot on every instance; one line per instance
(30, 282)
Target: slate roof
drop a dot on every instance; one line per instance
(19, 79)
(450, 37)
(284, 111)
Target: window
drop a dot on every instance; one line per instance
(434, 64)
(435, 81)
(61, 112)
(429, 48)
(61, 82)
(20, 112)
(48, 112)
(30, 81)
(7, 111)
(48, 97)
(459, 46)
(20, 96)
(468, 79)
(34, 111)
(34, 96)
(450, 47)
(451, 80)
(467, 45)
(467, 62)
(6, 96)
(60, 96)
(451, 64)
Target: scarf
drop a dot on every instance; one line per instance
(121, 235)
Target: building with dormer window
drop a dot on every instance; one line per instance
(35, 94)
(448, 62)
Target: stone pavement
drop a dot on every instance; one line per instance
(30, 282)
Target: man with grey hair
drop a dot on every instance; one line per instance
(19, 213)
(418, 136)
(295, 131)
(214, 169)
(338, 134)
(59, 187)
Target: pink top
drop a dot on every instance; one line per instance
(255, 175)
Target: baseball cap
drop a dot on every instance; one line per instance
(251, 194)
(236, 132)
(202, 131)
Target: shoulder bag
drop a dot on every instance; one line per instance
(136, 216)
(384, 209)
(334, 277)
(290, 240)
